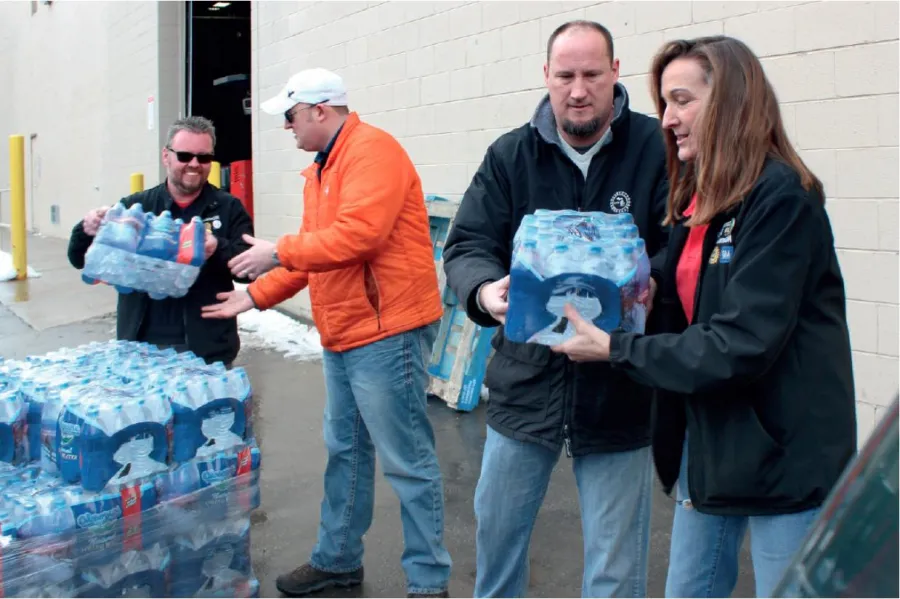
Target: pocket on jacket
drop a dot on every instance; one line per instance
(518, 377)
(370, 287)
(741, 460)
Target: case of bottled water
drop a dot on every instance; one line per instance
(594, 261)
(143, 479)
(139, 251)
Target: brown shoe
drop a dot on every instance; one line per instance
(441, 594)
(306, 579)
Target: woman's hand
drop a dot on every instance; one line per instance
(589, 344)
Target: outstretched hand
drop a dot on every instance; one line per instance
(231, 303)
(254, 262)
(589, 344)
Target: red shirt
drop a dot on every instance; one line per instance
(688, 270)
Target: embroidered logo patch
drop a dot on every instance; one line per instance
(725, 233)
(725, 254)
(721, 254)
(212, 222)
(620, 202)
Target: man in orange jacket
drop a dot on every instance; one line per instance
(364, 249)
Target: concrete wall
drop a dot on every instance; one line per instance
(77, 76)
(447, 78)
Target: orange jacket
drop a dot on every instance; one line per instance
(364, 245)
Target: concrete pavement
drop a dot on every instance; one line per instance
(58, 310)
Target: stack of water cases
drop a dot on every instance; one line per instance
(126, 470)
(139, 251)
(594, 261)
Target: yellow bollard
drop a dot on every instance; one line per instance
(17, 224)
(215, 174)
(137, 182)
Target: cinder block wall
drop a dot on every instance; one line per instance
(78, 76)
(447, 78)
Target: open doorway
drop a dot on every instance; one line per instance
(218, 75)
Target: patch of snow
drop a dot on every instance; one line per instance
(273, 330)
(8, 270)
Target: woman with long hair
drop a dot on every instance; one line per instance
(755, 414)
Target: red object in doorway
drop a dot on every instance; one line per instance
(242, 183)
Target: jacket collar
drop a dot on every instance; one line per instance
(206, 200)
(544, 122)
(334, 147)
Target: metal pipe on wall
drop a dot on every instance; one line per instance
(190, 58)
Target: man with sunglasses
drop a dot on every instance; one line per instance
(177, 322)
(365, 251)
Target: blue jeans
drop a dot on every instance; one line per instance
(703, 558)
(614, 493)
(376, 403)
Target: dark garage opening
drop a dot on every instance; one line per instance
(218, 75)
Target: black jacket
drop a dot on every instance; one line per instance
(211, 339)
(536, 395)
(762, 380)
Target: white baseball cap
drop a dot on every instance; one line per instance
(312, 86)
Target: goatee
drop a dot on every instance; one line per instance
(581, 130)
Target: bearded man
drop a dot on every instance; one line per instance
(584, 149)
(185, 193)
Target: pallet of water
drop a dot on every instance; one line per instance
(126, 470)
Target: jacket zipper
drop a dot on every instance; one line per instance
(377, 305)
(566, 438)
(580, 188)
(184, 320)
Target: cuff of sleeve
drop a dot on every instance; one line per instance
(283, 255)
(256, 304)
(617, 342)
(478, 297)
(476, 312)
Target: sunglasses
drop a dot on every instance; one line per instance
(186, 157)
(289, 114)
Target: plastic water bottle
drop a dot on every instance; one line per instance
(156, 255)
(191, 246)
(119, 442)
(596, 263)
(13, 423)
(629, 232)
(137, 573)
(625, 265)
(528, 258)
(51, 435)
(122, 228)
(161, 238)
(558, 262)
(638, 318)
(212, 558)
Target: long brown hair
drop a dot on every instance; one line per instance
(739, 128)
